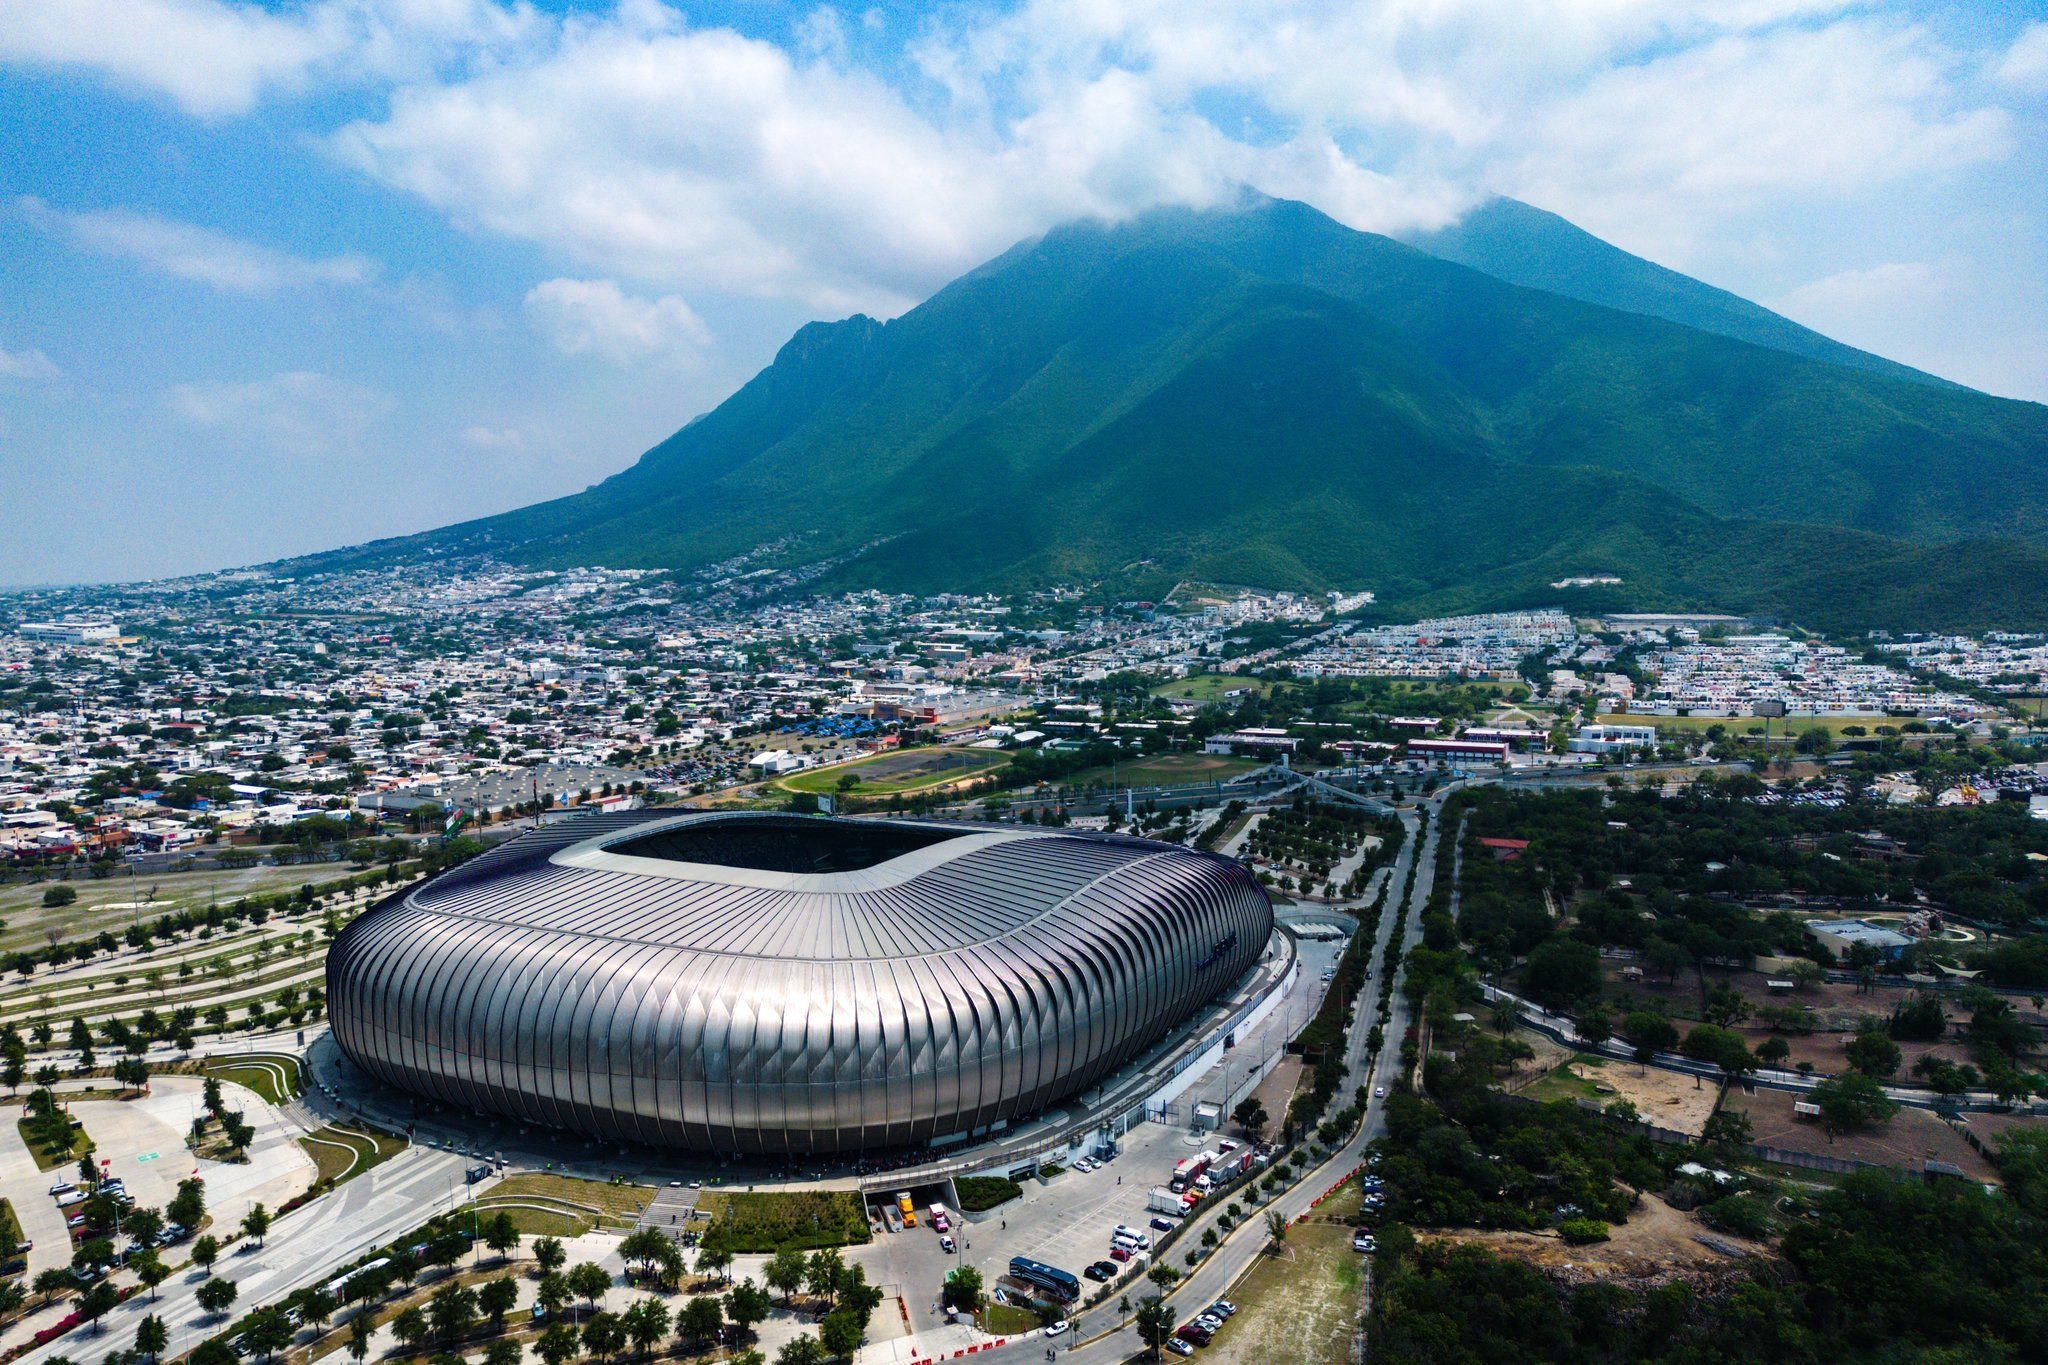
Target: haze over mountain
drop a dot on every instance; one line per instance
(1258, 394)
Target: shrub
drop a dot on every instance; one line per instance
(980, 1193)
(1744, 1215)
(1581, 1231)
(59, 895)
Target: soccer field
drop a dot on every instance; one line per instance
(896, 772)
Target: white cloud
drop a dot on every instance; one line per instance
(596, 317)
(1894, 284)
(214, 58)
(294, 412)
(30, 366)
(190, 252)
(2024, 65)
(493, 438)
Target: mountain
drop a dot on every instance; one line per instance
(1524, 245)
(1257, 394)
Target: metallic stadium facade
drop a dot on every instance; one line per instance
(787, 985)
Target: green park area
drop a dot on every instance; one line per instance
(1166, 770)
(897, 772)
(783, 1220)
(1208, 687)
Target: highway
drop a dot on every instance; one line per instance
(1096, 1337)
(304, 1247)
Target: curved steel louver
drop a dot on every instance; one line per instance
(787, 984)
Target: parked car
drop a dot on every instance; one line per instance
(1223, 1308)
(1164, 1224)
(1179, 1347)
(1059, 1328)
(1102, 1272)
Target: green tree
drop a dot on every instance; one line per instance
(588, 1281)
(645, 1324)
(558, 1344)
(602, 1335)
(1851, 1102)
(496, 1298)
(151, 1336)
(1155, 1323)
(746, 1305)
(217, 1295)
(412, 1328)
(549, 1255)
(801, 1351)
(785, 1272)
(255, 1223)
(1873, 1053)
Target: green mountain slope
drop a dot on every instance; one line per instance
(1262, 395)
(1525, 245)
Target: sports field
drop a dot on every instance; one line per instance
(1167, 770)
(1209, 686)
(1745, 725)
(899, 771)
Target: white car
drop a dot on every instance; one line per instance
(1059, 1328)
(1379, 1092)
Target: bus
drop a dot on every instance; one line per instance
(1051, 1279)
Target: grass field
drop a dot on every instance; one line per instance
(1300, 1305)
(1167, 770)
(616, 1201)
(1008, 1320)
(342, 1153)
(897, 772)
(273, 1075)
(773, 1220)
(116, 902)
(1564, 1083)
(1207, 687)
(49, 1158)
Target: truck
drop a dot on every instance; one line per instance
(1186, 1170)
(940, 1222)
(1166, 1201)
(908, 1209)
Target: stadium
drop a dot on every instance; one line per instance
(787, 985)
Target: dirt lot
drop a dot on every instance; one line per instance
(1656, 1243)
(1301, 1305)
(1913, 1136)
(1665, 1098)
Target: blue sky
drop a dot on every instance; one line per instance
(287, 276)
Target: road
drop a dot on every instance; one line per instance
(1096, 1337)
(304, 1247)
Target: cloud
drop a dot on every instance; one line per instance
(189, 252)
(213, 58)
(596, 317)
(1894, 284)
(294, 412)
(491, 438)
(29, 366)
(2024, 66)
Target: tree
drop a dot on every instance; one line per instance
(255, 1223)
(496, 1298)
(1723, 1047)
(714, 1260)
(150, 1269)
(962, 1289)
(746, 1305)
(268, 1330)
(602, 1335)
(551, 1294)
(501, 1234)
(1155, 1323)
(785, 1272)
(1276, 1229)
(1852, 1101)
(151, 1336)
(411, 1328)
(801, 1351)
(96, 1302)
(558, 1344)
(1873, 1053)
(361, 1328)
(841, 1333)
(549, 1255)
(503, 1351)
(822, 1272)
(217, 1295)
(1562, 972)
(452, 1310)
(588, 1281)
(700, 1320)
(1649, 1033)
(1250, 1117)
(645, 1324)
(1773, 1050)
